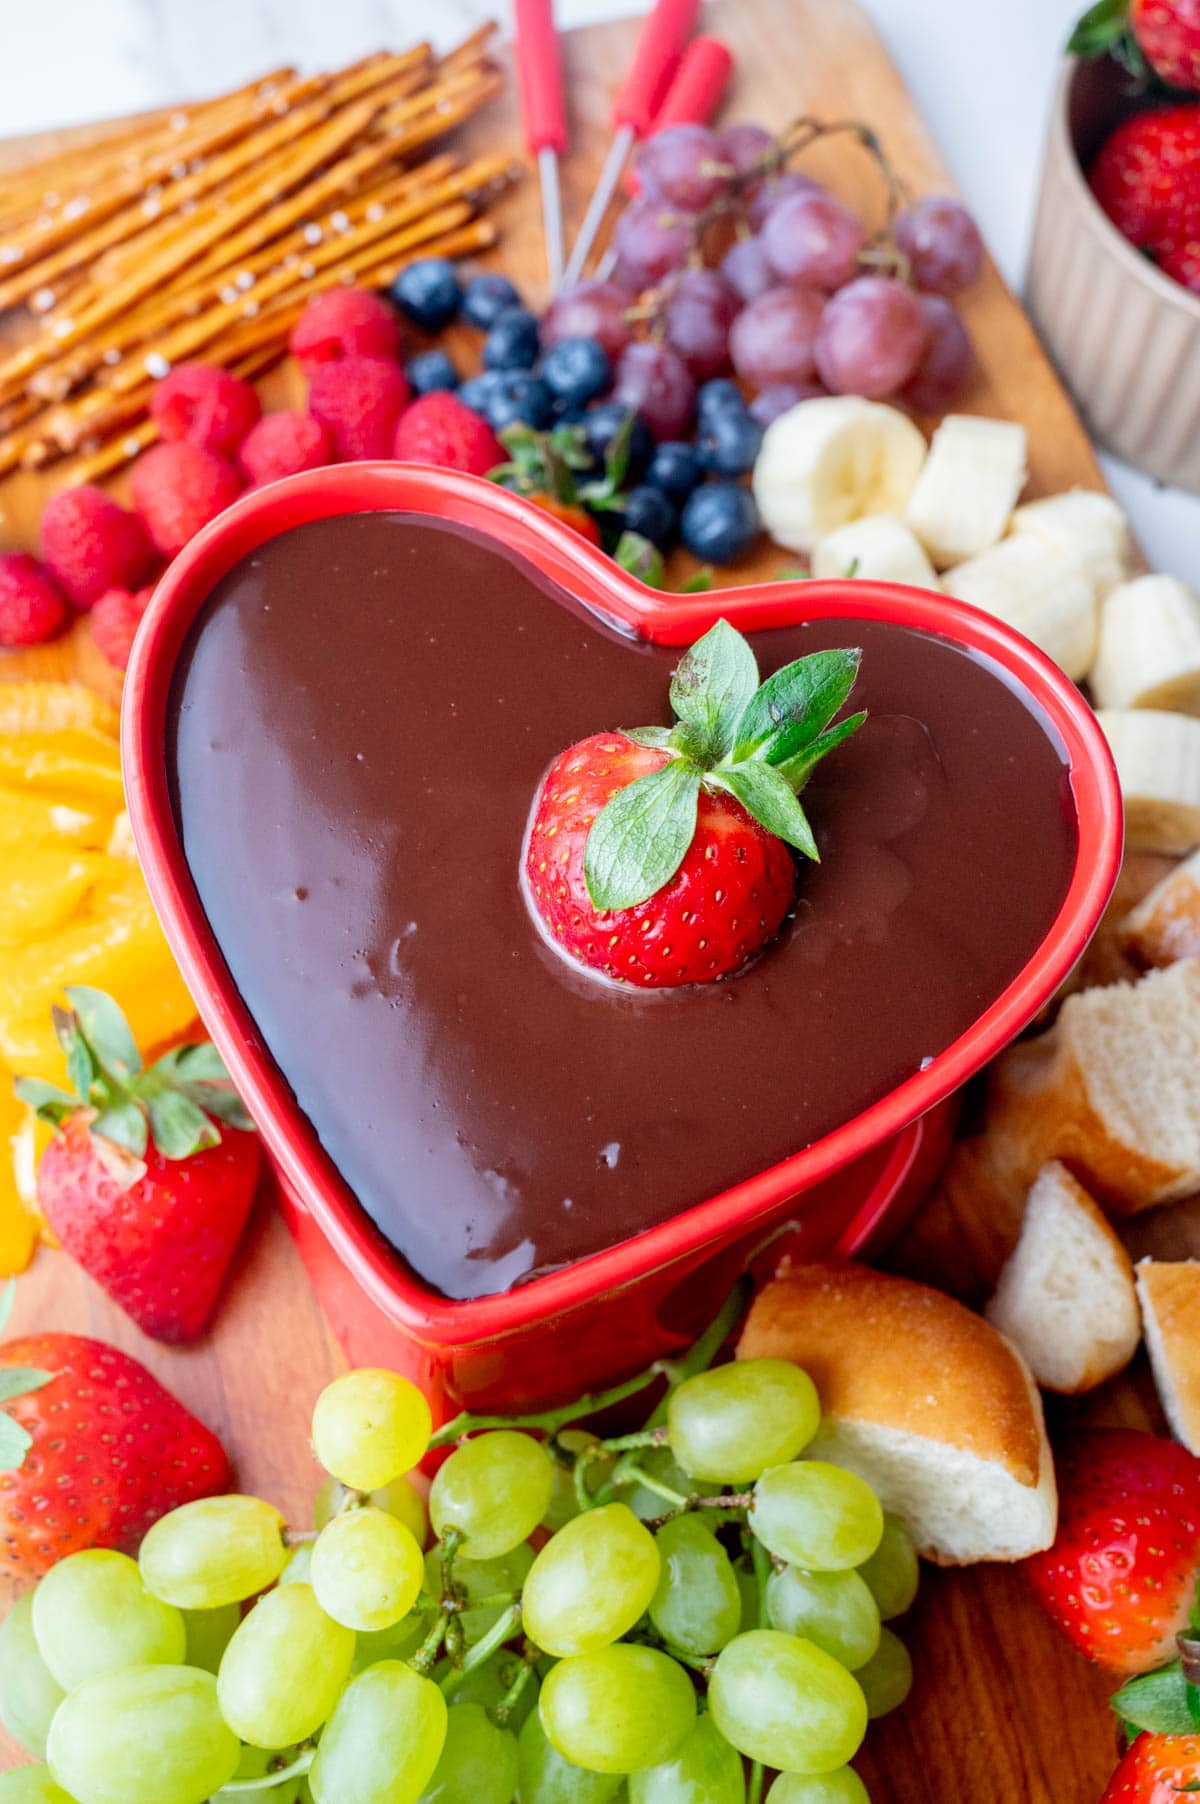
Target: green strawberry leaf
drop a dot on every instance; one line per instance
(106, 1031)
(179, 1127)
(809, 692)
(1099, 28)
(640, 558)
(8, 1297)
(797, 768)
(699, 582)
(15, 1443)
(1158, 1701)
(125, 1125)
(712, 688)
(638, 840)
(773, 804)
(47, 1101)
(657, 737)
(19, 1381)
(226, 1105)
(201, 1064)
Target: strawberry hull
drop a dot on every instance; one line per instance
(622, 1306)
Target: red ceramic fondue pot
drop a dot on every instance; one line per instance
(615, 1311)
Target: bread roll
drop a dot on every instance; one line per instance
(1170, 1299)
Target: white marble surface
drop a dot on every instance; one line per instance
(981, 76)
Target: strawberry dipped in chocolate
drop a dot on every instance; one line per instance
(661, 856)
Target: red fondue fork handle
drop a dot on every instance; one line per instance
(543, 114)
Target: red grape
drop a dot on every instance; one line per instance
(772, 339)
(650, 241)
(813, 238)
(773, 188)
(781, 397)
(745, 266)
(593, 310)
(942, 244)
(654, 379)
(702, 308)
(683, 165)
(871, 338)
(945, 368)
(744, 146)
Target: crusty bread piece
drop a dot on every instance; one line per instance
(1065, 1299)
(922, 1398)
(1111, 1090)
(1170, 1299)
(1108, 958)
(1165, 925)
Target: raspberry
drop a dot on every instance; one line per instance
(345, 322)
(282, 444)
(90, 544)
(179, 488)
(358, 400)
(115, 619)
(440, 429)
(207, 405)
(31, 608)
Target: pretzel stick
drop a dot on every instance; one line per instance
(471, 46)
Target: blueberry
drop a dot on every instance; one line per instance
(675, 469)
(430, 370)
(512, 341)
(719, 522)
(487, 297)
(521, 397)
(602, 426)
(478, 391)
(428, 292)
(648, 512)
(719, 396)
(729, 443)
(577, 369)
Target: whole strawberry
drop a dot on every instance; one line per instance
(1158, 1769)
(139, 1183)
(1120, 1579)
(92, 1451)
(660, 856)
(1162, 36)
(1147, 178)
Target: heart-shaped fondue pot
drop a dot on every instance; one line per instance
(507, 1175)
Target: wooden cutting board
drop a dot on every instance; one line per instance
(1002, 1708)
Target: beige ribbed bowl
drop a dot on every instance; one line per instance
(1125, 337)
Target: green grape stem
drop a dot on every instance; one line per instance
(426, 1655)
(268, 1781)
(512, 1697)
(754, 1789)
(501, 1631)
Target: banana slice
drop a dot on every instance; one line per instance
(880, 547)
(1157, 756)
(832, 460)
(1089, 525)
(968, 488)
(1149, 652)
(1041, 592)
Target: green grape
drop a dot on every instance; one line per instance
(660, 1463)
(494, 1490)
(366, 1569)
(29, 1692)
(784, 1702)
(841, 1787)
(697, 1606)
(401, 1499)
(544, 1777)
(887, 1678)
(370, 1427)
(747, 1583)
(217, 1550)
(383, 1742)
(563, 1504)
(588, 1586)
(704, 1769)
(399, 1642)
(817, 1516)
(729, 1424)
(834, 1610)
(93, 1614)
(31, 1785)
(617, 1710)
(208, 1635)
(298, 1570)
(144, 1735)
(478, 1763)
(284, 1670)
(256, 1763)
(490, 1684)
(479, 1579)
(893, 1572)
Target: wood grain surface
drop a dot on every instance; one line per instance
(1002, 1709)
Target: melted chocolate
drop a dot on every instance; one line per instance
(360, 721)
